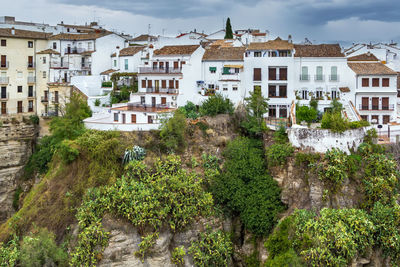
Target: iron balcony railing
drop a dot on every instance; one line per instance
(31, 79)
(74, 50)
(277, 77)
(160, 70)
(334, 78)
(31, 94)
(86, 66)
(162, 90)
(4, 80)
(132, 106)
(304, 77)
(389, 107)
(319, 78)
(31, 65)
(44, 99)
(4, 64)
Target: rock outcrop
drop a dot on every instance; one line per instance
(16, 144)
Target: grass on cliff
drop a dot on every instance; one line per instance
(53, 201)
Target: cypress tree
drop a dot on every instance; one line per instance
(228, 29)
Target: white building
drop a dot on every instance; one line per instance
(128, 59)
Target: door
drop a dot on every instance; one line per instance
(153, 101)
(3, 61)
(3, 92)
(19, 107)
(163, 101)
(69, 50)
(123, 118)
(149, 119)
(46, 95)
(166, 67)
(133, 118)
(375, 103)
(3, 107)
(364, 103)
(56, 96)
(30, 61)
(385, 103)
(176, 65)
(157, 85)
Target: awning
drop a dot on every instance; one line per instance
(213, 68)
(234, 66)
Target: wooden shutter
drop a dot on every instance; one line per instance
(30, 60)
(272, 91)
(176, 65)
(282, 91)
(385, 82)
(154, 65)
(161, 65)
(386, 119)
(283, 74)
(133, 118)
(171, 84)
(257, 74)
(3, 61)
(375, 103)
(375, 82)
(163, 84)
(163, 100)
(176, 84)
(272, 74)
(149, 84)
(143, 83)
(365, 82)
(385, 103)
(365, 103)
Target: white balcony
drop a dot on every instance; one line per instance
(31, 79)
(4, 80)
(160, 70)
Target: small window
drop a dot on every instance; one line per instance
(115, 63)
(213, 69)
(225, 88)
(375, 82)
(115, 116)
(385, 82)
(237, 70)
(257, 54)
(30, 44)
(44, 60)
(3, 42)
(44, 74)
(30, 106)
(19, 89)
(234, 88)
(126, 64)
(365, 82)
(54, 45)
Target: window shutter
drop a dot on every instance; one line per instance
(163, 84)
(365, 82)
(176, 84)
(257, 74)
(143, 83)
(171, 84)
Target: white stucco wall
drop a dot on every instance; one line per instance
(321, 140)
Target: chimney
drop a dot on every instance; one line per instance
(12, 31)
(290, 38)
(117, 53)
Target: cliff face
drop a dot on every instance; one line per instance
(16, 144)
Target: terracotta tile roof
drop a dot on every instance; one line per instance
(224, 53)
(129, 51)
(106, 72)
(176, 50)
(77, 36)
(7, 32)
(364, 57)
(277, 44)
(143, 37)
(371, 69)
(48, 51)
(321, 50)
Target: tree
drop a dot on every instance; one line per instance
(217, 104)
(256, 107)
(228, 29)
(306, 114)
(173, 132)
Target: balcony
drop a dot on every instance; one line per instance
(229, 76)
(334, 78)
(4, 95)
(54, 100)
(59, 65)
(304, 77)
(74, 50)
(4, 65)
(151, 90)
(31, 80)
(4, 80)
(31, 94)
(150, 70)
(86, 66)
(148, 107)
(319, 78)
(31, 65)
(44, 99)
(389, 107)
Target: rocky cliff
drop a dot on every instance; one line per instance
(17, 139)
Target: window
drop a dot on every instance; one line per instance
(282, 91)
(19, 107)
(171, 83)
(272, 91)
(19, 74)
(272, 112)
(319, 76)
(3, 42)
(19, 88)
(163, 84)
(234, 88)
(126, 64)
(30, 44)
(385, 82)
(364, 103)
(115, 116)
(115, 63)
(334, 76)
(44, 74)
(237, 70)
(304, 74)
(257, 54)
(375, 82)
(385, 103)
(365, 82)
(3, 108)
(44, 60)
(90, 47)
(257, 74)
(386, 119)
(364, 117)
(143, 83)
(150, 119)
(283, 53)
(375, 103)
(319, 94)
(54, 45)
(176, 84)
(334, 93)
(282, 112)
(30, 106)
(213, 69)
(30, 61)
(283, 74)
(226, 70)
(304, 94)
(30, 91)
(142, 100)
(374, 119)
(272, 74)
(225, 88)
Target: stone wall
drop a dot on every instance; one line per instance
(16, 144)
(321, 140)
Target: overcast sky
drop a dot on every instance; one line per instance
(319, 20)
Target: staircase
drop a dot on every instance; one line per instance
(350, 112)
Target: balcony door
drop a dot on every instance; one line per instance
(3, 92)
(3, 108)
(3, 61)
(157, 85)
(133, 118)
(364, 103)
(163, 100)
(375, 103)
(30, 61)
(385, 103)
(153, 101)
(123, 118)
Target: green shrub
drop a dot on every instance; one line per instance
(173, 132)
(280, 135)
(34, 119)
(212, 249)
(40, 249)
(215, 105)
(68, 151)
(286, 259)
(256, 107)
(277, 154)
(334, 121)
(9, 253)
(97, 102)
(136, 153)
(190, 110)
(335, 169)
(306, 159)
(210, 161)
(106, 84)
(177, 256)
(358, 124)
(371, 136)
(17, 194)
(307, 114)
(39, 160)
